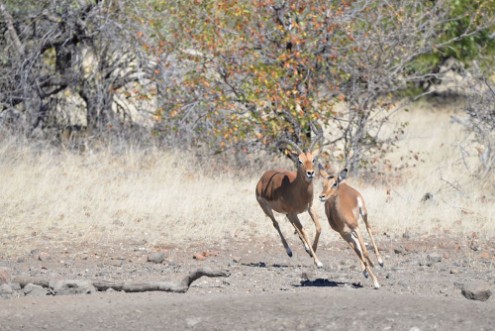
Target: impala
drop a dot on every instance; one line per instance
(343, 205)
(291, 193)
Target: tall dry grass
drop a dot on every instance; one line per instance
(157, 197)
(446, 168)
(149, 196)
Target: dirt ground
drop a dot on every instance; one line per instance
(421, 285)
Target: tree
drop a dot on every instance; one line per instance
(481, 111)
(238, 75)
(253, 72)
(78, 46)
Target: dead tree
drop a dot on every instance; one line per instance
(78, 46)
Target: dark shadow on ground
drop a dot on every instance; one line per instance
(322, 282)
(265, 265)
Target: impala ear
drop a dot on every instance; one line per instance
(293, 156)
(323, 173)
(343, 175)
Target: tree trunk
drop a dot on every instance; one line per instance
(99, 116)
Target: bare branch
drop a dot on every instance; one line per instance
(12, 32)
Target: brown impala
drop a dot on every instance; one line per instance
(343, 205)
(291, 193)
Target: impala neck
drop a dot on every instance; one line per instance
(303, 182)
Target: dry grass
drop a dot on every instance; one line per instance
(156, 197)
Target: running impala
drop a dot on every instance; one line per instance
(291, 193)
(343, 205)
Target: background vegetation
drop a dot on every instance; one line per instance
(223, 75)
(120, 113)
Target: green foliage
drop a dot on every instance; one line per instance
(457, 39)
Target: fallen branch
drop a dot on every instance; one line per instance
(178, 287)
(101, 285)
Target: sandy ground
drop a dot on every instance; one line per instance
(266, 290)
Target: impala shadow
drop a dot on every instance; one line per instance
(323, 282)
(318, 282)
(262, 264)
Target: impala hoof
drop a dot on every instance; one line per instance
(289, 252)
(319, 264)
(377, 286)
(366, 275)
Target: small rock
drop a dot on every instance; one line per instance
(4, 276)
(6, 291)
(434, 258)
(16, 287)
(399, 250)
(454, 271)
(410, 248)
(426, 197)
(406, 235)
(199, 256)
(117, 263)
(192, 322)
(203, 255)
(476, 290)
(474, 245)
(308, 276)
(64, 287)
(43, 256)
(34, 290)
(118, 223)
(157, 257)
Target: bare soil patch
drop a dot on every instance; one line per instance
(422, 284)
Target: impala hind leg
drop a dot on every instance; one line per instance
(357, 244)
(375, 248)
(304, 238)
(268, 211)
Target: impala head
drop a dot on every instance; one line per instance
(306, 162)
(306, 159)
(330, 183)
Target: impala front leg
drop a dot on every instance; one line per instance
(316, 220)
